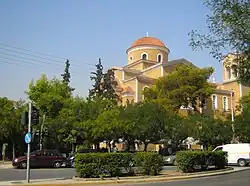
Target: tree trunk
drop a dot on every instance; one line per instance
(145, 146)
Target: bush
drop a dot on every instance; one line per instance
(149, 163)
(189, 161)
(94, 165)
(101, 164)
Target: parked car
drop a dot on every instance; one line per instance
(170, 160)
(41, 159)
(71, 158)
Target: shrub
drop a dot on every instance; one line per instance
(101, 164)
(149, 163)
(189, 161)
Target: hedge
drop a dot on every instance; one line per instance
(189, 161)
(94, 165)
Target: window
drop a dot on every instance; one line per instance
(234, 71)
(218, 149)
(130, 58)
(228, 70)
(144, 56)
(214, 102)
(159, 58)
(225, 103)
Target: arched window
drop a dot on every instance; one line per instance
(225, 103)
(159, 58)
(144, 56)
(214, 102)
(228, 70)
(234, 71)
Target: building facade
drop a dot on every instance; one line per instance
(148, 60)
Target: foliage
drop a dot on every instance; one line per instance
(150, 163)
(66, 75)
(242, 121)
(189, 161)
(210, 131)
(97, 77)
(10, 121)
(185, 86)
(102, 164)
(228, 28)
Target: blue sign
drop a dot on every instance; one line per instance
(28, 138)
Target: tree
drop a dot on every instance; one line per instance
(10, 117)
(66, 75)
(242, 121)
(97, 77)
(149, 126)
(210, 131)
(109, 85)
(228, 28)
(185, 86)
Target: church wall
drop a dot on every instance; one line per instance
(118, 74)
(234, 85)
(152, 55)
(147, 65)
(154, 73)
(138, 66)
(141, 86)
(128, 75)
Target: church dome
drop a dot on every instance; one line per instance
(148, 41)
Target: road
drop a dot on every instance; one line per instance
(19, 174)
(234, 179)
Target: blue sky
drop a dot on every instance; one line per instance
(83, 31)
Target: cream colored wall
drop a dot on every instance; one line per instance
(118, 74)
(235, 87)
(152, 55)
(137, 66)
(147, 65)
(154, 73)
(128, 75)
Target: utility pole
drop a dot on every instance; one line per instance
(28, 150)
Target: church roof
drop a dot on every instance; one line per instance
(148, 41)
(146, 79)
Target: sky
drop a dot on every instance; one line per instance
(36, 37)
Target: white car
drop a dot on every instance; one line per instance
(238, 154)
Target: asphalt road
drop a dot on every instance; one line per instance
(234, 179)
(20, 174)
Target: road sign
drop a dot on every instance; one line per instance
(28, 138)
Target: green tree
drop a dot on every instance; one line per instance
(185, 86)
(149, 126)
(210, 131)
(109, 85)
(97, 77)
(242, 121)
(10, 117)
(228, 28)
(66, 75)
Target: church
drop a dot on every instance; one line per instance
(148, 60)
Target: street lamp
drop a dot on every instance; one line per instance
(232, 115)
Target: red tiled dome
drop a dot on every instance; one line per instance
(148, 41)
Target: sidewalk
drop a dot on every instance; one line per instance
(5, 164)
(166, 176)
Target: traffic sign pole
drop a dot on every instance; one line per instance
(28, 150)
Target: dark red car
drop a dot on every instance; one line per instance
(41, 159)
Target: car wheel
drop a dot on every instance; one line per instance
(242, 162)
(23, 165)
(57, 165)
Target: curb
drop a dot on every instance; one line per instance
(67, 181)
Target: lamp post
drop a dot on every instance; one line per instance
(232, 116)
